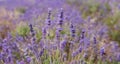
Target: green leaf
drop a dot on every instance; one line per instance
(22, 29)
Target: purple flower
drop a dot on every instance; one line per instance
(85, 43)
(4, 40)
(41, 52)
(57, 34)
(9, 58)
(72, 30)
(20, 62)
(48, 20)
(31, 30)
(75, 53)
(41, 44)
(95, 45)
(118, 57)
(64, 57)
(63, 44)
(44, 32)
(49, 12)
(1, 56)
(116, 45)
(19, 38)
(85, 55)
(102, 51)
(61, 13)
(79, 49)
(9, 36)
(58, 30)
(54, 47)
(28, 59)
(33, 39)
(61, 17)
(83, 34)
(95, 42)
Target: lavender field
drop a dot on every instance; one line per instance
(59, 31)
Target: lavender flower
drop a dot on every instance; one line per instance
(31, 28)
(44, 32)
(20, 62)
(118, 57)
(86, 43)
(74, 53)
(83, 34)
(95, 42)
(48, 20)
(9, 58)
(95, 45)
(79, 49)
(102, 51)
(54, 47)
(72, 30)
(32, 33)
(28, 59)
(85, 55)
(63, 44)
(41, 52)
(64, 56)
(61, 17)
(58, 30)
(41, 44)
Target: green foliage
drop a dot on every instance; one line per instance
(115, 35)
(66, 30)
(90, 9)
(38, 34)
(21, 10)
(56, 61)
(109, 21)
(93, 8)
(63, 32)
(107, 6)
(57, 54)
(112, 21)
(17, 55)
(51, 34)
(22, 29)
(46, 61)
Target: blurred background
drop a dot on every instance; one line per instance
(13, 12)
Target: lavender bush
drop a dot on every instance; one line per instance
(59, 32)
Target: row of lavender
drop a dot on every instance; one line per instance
(63, 38)
(62, 42)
